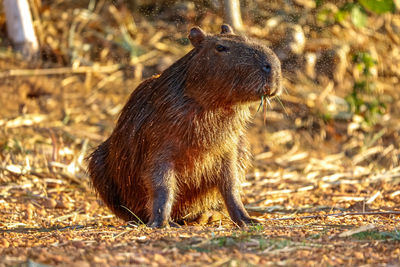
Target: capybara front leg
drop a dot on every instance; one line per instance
(163, 187)
(230, 191)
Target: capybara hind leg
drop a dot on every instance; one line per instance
(209, 217)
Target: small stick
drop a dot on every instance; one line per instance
(65, 70)
(262, 100)
(263, 104)
(265, 110)
(133, 214)
(340, 214)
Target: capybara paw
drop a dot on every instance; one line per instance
(251, 221)
(162, 224)
(209, 217)
(158, 224)
(247, 221)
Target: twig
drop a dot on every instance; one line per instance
(66, 70)
(24, 120)
(340, 214)
(139, 220)
(357, 230)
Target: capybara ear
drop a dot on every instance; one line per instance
(226, 29)
(196, 36)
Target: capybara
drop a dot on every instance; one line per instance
(179, 147)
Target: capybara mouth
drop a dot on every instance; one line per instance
(269, 92)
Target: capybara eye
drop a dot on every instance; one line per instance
(267, 68)
(221, 48)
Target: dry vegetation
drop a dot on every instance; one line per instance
(326, 174)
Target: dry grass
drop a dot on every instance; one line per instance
(325, 182)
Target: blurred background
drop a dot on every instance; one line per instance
(333, 134)
(330, 142)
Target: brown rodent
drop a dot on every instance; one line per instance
(179, 149)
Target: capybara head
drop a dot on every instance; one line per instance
(231, 69)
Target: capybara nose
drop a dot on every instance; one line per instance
(266, 68)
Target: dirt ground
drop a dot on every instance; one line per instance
(325, 180)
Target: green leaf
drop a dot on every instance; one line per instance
(319, 3)
(358, 17)
(378, 6)
(341, 15)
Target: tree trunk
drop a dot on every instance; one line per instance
(232, 14)
(20, 27)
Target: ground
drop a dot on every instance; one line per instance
(325, 180)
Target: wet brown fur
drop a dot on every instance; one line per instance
(178, 149)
